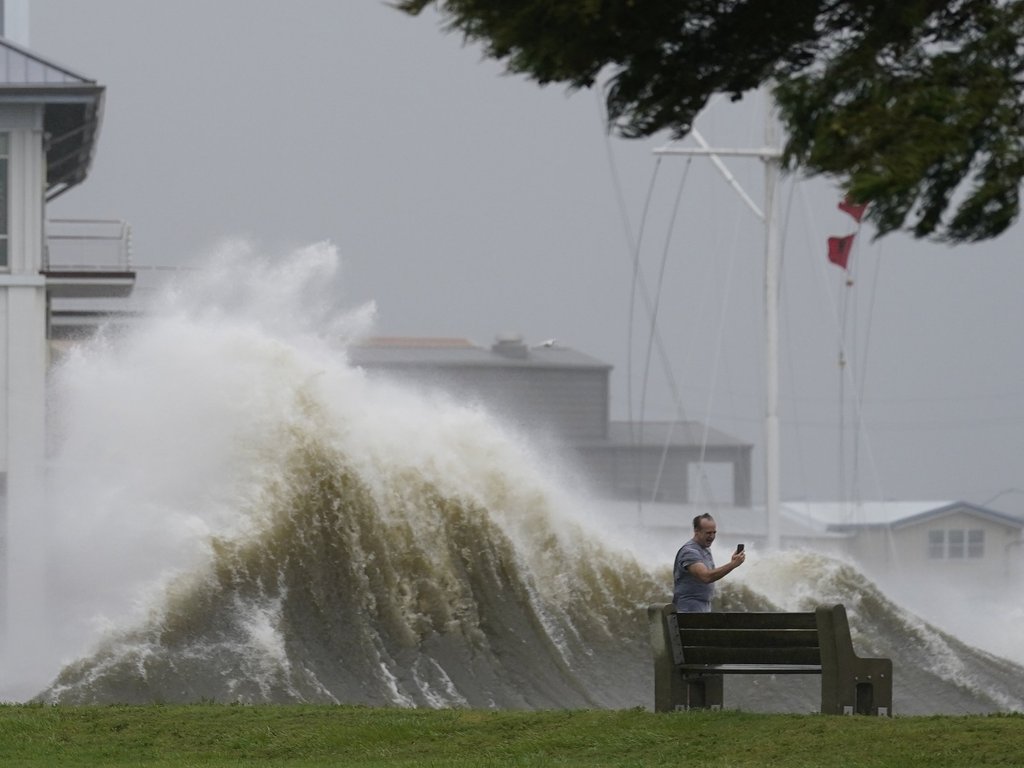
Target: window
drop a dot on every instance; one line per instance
(3, 200)
(956, 544)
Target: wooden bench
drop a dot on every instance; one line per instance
(693, 651)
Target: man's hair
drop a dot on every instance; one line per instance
(698, 518)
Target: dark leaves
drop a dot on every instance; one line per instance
(915, 105)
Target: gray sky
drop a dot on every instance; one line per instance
(470, 203)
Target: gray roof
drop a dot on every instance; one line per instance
(837, 516)
(460, 353)
(734, 523)
(19, 66)
(958, 507)
(73, 106)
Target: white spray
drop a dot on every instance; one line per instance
(161, 438)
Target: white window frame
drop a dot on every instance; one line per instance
(956, 544)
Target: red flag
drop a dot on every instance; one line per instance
(839, 250)
(854, 209)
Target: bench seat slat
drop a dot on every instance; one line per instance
(753, 669)
(753, 620)
(758, 656)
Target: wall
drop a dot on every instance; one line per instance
(564, 403)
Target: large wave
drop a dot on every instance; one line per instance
(240, 515)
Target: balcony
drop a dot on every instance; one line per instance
(88, 259)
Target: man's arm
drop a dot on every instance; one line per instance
(707, 575)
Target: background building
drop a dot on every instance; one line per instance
(946, 542)
(561, 396)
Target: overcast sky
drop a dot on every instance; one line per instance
(470, 203)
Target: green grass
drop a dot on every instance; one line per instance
(299, 735)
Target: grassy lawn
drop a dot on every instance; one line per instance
(298, 735)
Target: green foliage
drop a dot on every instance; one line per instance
(913, 106)
(216, 735)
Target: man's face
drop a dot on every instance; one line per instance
(706, 533)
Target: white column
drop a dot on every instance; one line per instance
(25, 451)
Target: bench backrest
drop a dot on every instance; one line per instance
(761, 639)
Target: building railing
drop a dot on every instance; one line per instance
(87, 245)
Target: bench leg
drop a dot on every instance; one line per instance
(865, 698)
(857, 695)
(704, 691)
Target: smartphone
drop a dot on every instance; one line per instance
(739, 547)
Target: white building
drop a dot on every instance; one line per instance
(49, 121)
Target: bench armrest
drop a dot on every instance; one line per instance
(850, 684)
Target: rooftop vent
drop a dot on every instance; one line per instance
(510, 345)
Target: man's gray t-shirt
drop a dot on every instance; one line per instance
(691, 594)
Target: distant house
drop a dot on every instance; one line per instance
(943, 540)
(562, 395)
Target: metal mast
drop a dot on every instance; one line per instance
(769, 154)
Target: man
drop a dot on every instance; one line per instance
(695, 573)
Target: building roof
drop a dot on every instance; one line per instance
(963, 507)
(840, 516)
(507, 351)
(734, 523)
(73, 105)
